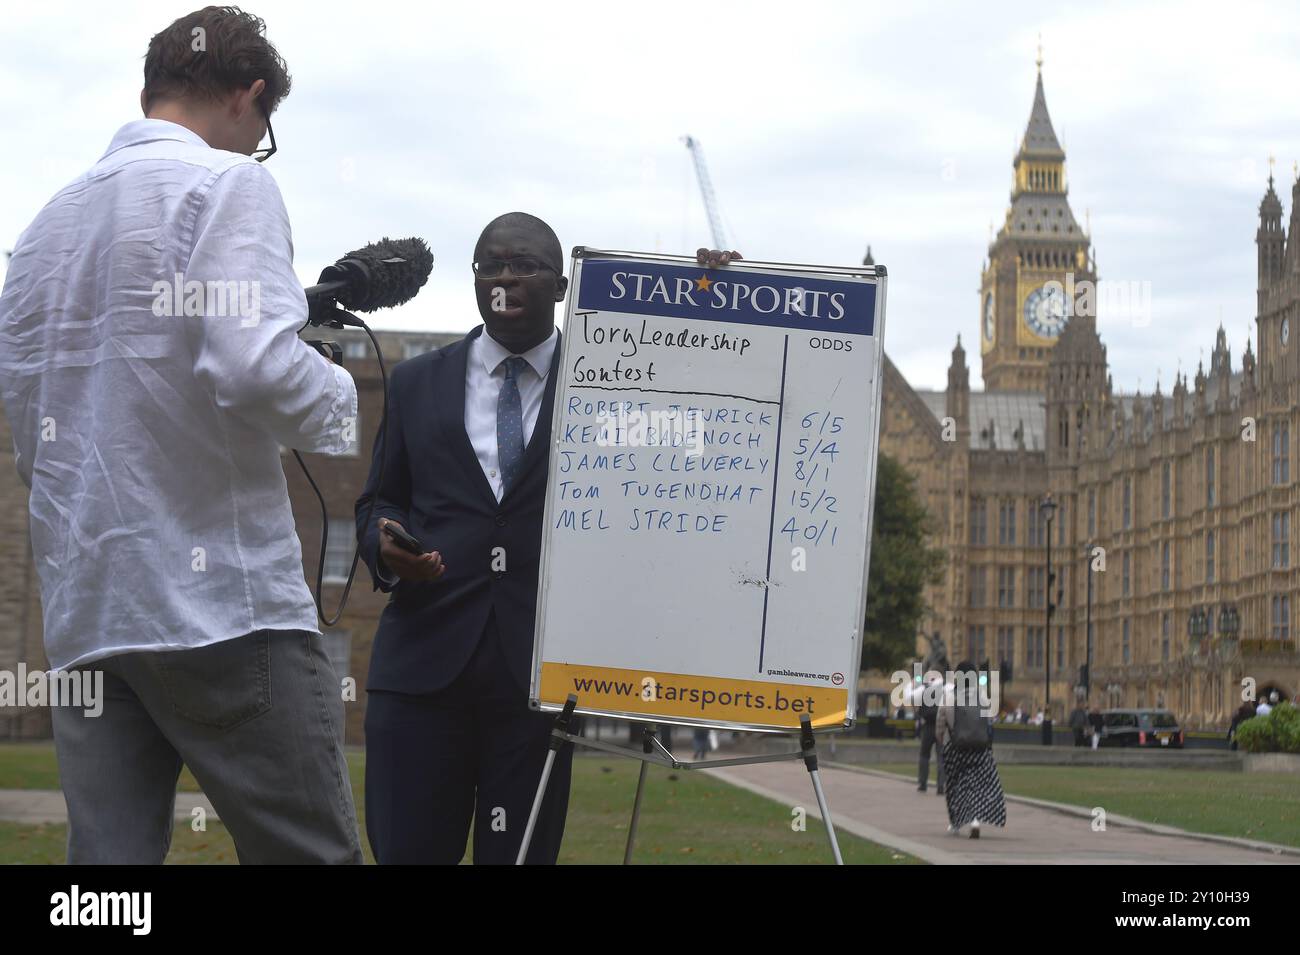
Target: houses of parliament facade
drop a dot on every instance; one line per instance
(1171, 532)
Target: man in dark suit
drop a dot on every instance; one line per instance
(449, 734)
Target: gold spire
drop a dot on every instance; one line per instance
(1039, 61)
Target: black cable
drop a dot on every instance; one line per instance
(382, 438)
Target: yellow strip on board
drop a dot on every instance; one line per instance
(680, 696)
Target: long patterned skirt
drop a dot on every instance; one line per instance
(974, 790)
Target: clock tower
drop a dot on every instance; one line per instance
(1037, 263)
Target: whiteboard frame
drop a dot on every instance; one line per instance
(877, 272)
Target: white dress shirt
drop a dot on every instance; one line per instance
(160, 518)
(485, 373)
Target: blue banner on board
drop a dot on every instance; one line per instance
(728, 295)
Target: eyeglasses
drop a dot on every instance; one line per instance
(521, 267)
(262, 155)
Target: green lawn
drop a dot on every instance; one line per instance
(686, 817)
(1263, 806)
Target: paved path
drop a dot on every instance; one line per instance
(888, 810)
(34, 807)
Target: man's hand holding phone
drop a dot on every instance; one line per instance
(403, 555)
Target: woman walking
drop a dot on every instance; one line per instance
(974, 790)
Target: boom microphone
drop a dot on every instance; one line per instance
(380, 275)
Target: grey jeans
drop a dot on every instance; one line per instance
(257, 719)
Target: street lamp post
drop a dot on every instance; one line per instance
(1047, 508)
(1229, 626)
(1229, 620)
(1087, 629)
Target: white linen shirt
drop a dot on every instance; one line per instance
(484, 376)
(159, 514)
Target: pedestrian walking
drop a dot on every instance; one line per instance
(1244, 712)
(974, 791)
(1079, 724)
(701, 736)
(927, 714)
(1097, 723)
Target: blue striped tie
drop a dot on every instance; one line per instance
(510, 424)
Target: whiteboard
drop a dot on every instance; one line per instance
(707, 526)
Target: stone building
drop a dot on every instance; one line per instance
(1174, 511)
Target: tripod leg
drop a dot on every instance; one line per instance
(537, 807)
(556, 741)
(809, 747)
(826, 816)
(636, 815)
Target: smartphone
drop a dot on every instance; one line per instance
(403, 539)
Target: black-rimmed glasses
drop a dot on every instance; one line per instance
(262, 155)
(521, 267)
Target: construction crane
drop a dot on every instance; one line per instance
(706, 190)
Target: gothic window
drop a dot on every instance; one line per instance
(1164, 566)
(1164, 638)
(1035, 587)
(1281, 453)
(1209, 559)
(1128, 503)
(975, 645)
(1007, 522)
(1124, 578)
(979, 518)
(1282, 540)
(1165, 489)
(1034, 646)
(1281, 618)
(978, 583)
(1092, 512)
(1006, 586)
(1128, 649)
(1209, 477)
(1006, 645)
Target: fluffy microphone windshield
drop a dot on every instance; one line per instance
(383, 274)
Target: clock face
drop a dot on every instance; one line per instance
(988, 317)
(1286, 330)
(1045, 310)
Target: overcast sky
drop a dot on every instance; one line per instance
(826, 127)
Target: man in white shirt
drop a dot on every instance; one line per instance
(150, 370)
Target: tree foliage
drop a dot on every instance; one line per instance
(902, 564)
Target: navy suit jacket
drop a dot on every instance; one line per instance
(434, 487)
